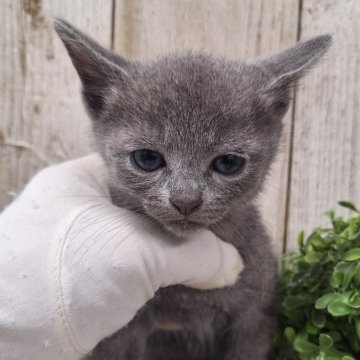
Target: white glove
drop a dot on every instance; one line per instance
(74, 268)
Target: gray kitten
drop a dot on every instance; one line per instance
(188, 140)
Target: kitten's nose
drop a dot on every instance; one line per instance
(185, 205)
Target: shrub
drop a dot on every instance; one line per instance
(320, 285)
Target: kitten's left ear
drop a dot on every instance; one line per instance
(286, 68)
(98, 68)
(293, 63)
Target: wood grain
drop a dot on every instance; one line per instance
(42, 118)
(326, 150)
(235, 29)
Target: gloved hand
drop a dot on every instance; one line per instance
(74, 268)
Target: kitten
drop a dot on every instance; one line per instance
(188, 140)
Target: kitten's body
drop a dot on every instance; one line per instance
(190, 111)
(232, 323)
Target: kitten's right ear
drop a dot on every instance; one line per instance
(98, 68)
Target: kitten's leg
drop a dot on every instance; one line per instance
(128, 343)
(253, 322)
(252, 341)
(253, 297)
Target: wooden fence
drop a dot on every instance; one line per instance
(43, 122)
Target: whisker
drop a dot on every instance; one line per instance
(94, 220)
(107, 221)
(129, 234)
(116, 228)
(85, 195)
(88, 248)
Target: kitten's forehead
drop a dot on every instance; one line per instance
(193, 100)
(200, 81)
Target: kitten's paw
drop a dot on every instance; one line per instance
(233, 265)
(223, 266)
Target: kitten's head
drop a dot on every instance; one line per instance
(187, 136)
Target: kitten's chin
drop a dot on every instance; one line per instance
(182, 228)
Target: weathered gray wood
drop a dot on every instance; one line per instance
(236, 29)
(42, 118)
(326, 158)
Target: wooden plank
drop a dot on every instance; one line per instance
(42, 118)
(236, 29)
(326, 165)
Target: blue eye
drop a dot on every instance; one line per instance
(148, 160)
(228, 164)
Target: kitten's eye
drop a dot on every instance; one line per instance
(148, 160)
(228, 164)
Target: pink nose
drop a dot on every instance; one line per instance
(185, 205)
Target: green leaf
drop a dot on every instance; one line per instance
(325, 300)
(344, 297)
(338, 308)
(348, 205)
(354, 300)
(311, 329)
(337, 279)
(335, 335)
(318, 243)
(305, 347)
(330, 214)
(340, 242)
(355, 237)
(357, 274)
(300, 239)
(352, 255)
(349, 273)
(294, 302)
(318, 318)
(357, 326)
(325, 341)
(289, 334)
(353, 230)
(339, 225)
(312, 257)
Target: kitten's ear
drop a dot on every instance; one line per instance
(286, 68)
(293, 63)
(98, 68)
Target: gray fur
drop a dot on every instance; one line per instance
(192, 108)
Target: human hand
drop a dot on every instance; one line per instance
(75, 268)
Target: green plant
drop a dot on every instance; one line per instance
(320, 285)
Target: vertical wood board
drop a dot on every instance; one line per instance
(42, 117)
(326, 150)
